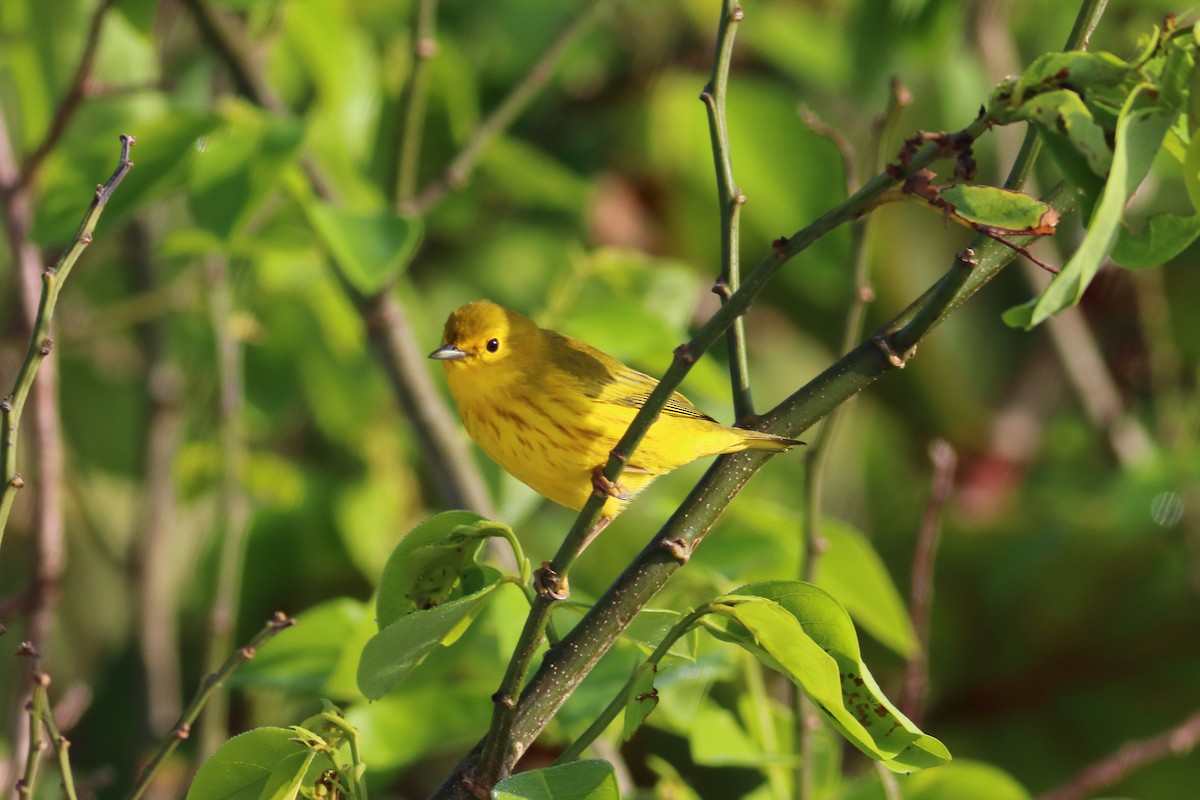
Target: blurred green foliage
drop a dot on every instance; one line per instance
(1065, 615)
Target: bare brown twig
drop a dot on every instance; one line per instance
(945, 460)
(1131, 756)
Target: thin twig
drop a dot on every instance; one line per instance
(208, 686)
(920, 605)
(503, 115)
(62, 748)
(1178, 741)
(36, 710)
(40, 343)
(234, 512)
(236, 56)
(66, 108)
(424, 48)
(729, 200)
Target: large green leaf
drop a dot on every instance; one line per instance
(1139, 133)
(393, 653)
(963, 779)
(579, 780)
(372, 248)
(424, 569)
(1163, 237)
(238, 165)
(261, 762)
(802, 631)
(854, 573)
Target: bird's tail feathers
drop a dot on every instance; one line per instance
(757, 440)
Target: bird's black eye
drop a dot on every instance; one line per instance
(493, 345)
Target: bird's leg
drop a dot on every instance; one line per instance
(603, 487)
(549, 584)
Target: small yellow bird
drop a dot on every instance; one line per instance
(549, 409)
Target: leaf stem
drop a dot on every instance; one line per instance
(210, 684)
(730, 200)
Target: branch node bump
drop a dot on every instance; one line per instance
(684, 354)
(46, 346)
(182, 732)
(721, 289)
(895, 359)
(779, 246)
(679, 548)
(502, 699)
(280, 621)
(17, 482)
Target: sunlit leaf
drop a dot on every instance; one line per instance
(854, 573)
(803, 632)
(246, 765)
(393, 653)
(579, 780)
(1140, 130)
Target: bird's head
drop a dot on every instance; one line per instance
(481, 333)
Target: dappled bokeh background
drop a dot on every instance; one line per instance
(1065, 614)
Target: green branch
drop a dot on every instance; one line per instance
(501, 117)
(40, 343)
(412, 107)
(730, 200)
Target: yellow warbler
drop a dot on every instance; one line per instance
(549, 409)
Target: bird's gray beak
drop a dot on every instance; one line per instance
(447, 352)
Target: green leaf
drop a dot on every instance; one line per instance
(533, 177)
(242, 767)
(642, 700)
(288, 776)
(804, 632)
(1140, 130)
(1062, 113)
(238, 166)
(717, 739)
(1164, 237)
(424, 568)
(372, 249)
(963, 779)
(1074, 68)
(1191, 169)
(393, 653)
(1001, 209)
(854, 573)
(579, 780)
